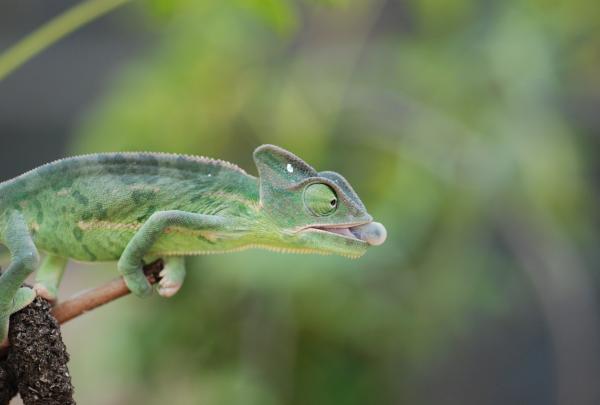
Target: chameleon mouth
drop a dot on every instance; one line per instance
(371, 233)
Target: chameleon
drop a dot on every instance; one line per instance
(137, 207)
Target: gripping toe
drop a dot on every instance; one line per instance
(138, 284)
(168, 288)
(23, 297)
(46, 292)
(172, 276)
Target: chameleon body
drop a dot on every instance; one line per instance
(134, 208)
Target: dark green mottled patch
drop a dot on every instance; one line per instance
(78, 233)
(51, 246)
(58, 176)
(39, 210)
(114, 163)
(81, 199)
(144, 217)
(87, 216)
(60, 181)
(36, 203)
(63, 209)
(181, 161)
(89, 253)
(22, 195)
(51, 249)
(142, 196)
(150, 163)
(101, 212)
(201, 195)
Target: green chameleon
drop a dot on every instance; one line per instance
(138, 207)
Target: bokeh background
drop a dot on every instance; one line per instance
(470, 128)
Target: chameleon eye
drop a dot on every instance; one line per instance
(320, 199)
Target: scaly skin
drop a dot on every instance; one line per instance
(137, 207)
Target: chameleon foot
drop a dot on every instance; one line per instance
(138, 284)
(46, 292)
(23, 297)
(168, 288)
(171, 277)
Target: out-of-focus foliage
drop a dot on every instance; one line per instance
(453, 122)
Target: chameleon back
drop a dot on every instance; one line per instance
(88, 207)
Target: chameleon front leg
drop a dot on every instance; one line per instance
(48, 277)
(130, 264)
(24, 259)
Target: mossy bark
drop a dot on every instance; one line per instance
(36, 365)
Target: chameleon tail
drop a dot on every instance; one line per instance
(24, 260)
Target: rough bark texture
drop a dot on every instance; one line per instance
(36, 365)
(8, 384)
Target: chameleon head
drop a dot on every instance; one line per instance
(316, 212)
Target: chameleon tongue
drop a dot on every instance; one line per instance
(341, 231)
(373, 233)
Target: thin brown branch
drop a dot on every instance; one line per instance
(95, 297)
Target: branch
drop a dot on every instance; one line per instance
(96, 297)
(92, 299)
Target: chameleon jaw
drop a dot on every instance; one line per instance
(337, 230)
(370, 233)
(343, 232)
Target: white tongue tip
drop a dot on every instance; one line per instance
(373, 233)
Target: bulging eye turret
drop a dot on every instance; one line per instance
(320, 199)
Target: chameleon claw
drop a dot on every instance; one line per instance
(167, 287)
(168, 292)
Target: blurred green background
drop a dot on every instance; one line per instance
(470, 128)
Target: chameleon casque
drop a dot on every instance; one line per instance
(137, 207)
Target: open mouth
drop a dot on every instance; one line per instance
(372, 233)
(346, 232)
